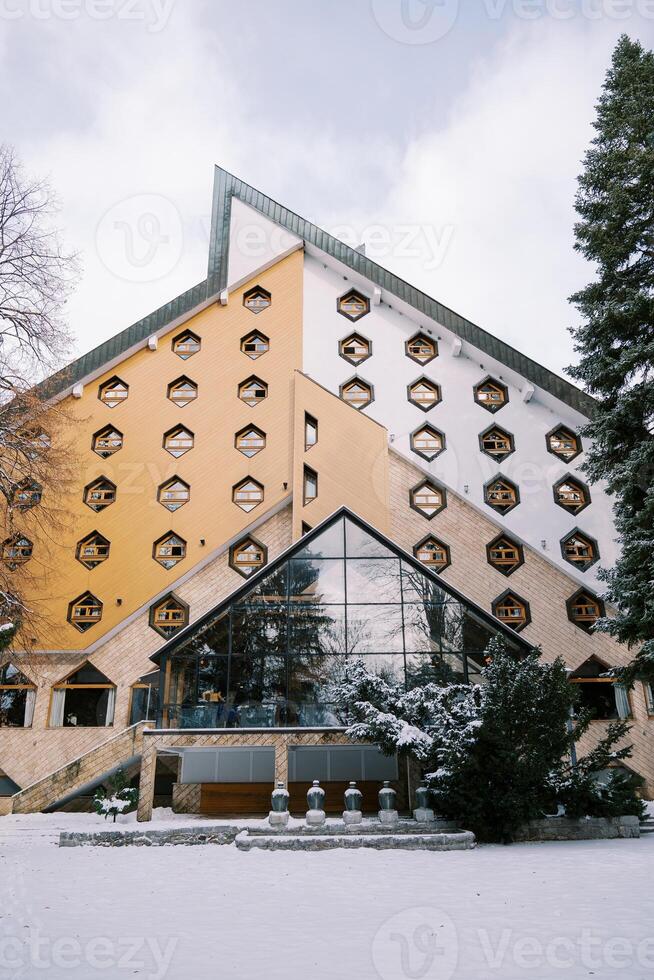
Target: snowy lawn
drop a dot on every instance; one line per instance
(569, 910)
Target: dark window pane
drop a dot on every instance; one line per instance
(145, 701)
(454, 618)
(257, 631)
(317, 580)
(360, 544)
(418, 587)
(600, 698)
(272, 588)
(317, 629)
(12, 708)
(183, 686)
(212, 679)
(328, 544)
(475, 663)
(257, 692)
(424, 625)
(476, 634)
(374, 629)
(86, 708)
(422, 668)
(373, 580)
(309, 685)
(214, 639)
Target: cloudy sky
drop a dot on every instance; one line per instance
(462, 120)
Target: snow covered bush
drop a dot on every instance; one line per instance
(497, 754)
(117, 798)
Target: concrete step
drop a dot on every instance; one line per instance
(368, 826)
(461, 840)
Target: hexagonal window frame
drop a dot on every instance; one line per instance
(82, 626)
(90, 487)
(104, 433)
(435, 487)
(441, 546)
(502, 509)
(22, 544)
(31, 487)
(508, 569)
(239, 486)
(348, 296)
(92, 562)
(176, 385)
(354, 359)
(424, 359)
(252, 380)
(504, 454)
(249, 539)
(165, 486)
(556, 452)
(114, 382)
(491, 407)
(570, 603)
(168, 632)
(176, 431)
(355, 380)
(253, 340)
(264, 300)
(586, 563)
(519, 600)
(579, 484)
(428, 454)
(250, 453)
(171, 561)
(183, 338)
(424, 380)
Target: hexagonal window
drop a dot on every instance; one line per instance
(255, 344)
(491, 394)
(504, 554)
(27, 494)
(113, 392)
(182, 391)
(428, 499)
(357, 393)
(584, 609)
(250, 440)
(427, 442)
(99, 494)
(257, 300)
(92, 550)
(169, 550)
(433, 553)
(496, 443)
(174, 493)
(252, 391)
(353, 305)
(169, 615)
(563, 442)
(579, 549)
(571, 494)
(16, 550)
(421, 348)
(186, 344)
(178, 441)
(424, 393)
(355, 349)
(38, 440)
(512, 610)
(248, 556)
(107, 441)
(85, 611)
(247, 494)
(501, 494)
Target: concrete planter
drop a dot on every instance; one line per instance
(584, 828)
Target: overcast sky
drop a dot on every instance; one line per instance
(446, 133)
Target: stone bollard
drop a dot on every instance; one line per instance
(352, 812)
(278, 816)
(388, 815)
(315, 798)
(423, 812)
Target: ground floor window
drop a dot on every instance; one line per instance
(606, 700)
(17, 698)
(84, 699)
(144, 702)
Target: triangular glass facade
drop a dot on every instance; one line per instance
(267, 657)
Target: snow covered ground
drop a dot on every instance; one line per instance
(542, 911)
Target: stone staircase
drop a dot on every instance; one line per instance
(406, 836)
(82, 774)
(647, 826)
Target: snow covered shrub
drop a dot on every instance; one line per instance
(498, 754)
(117, 798)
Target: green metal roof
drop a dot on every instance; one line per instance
(226, 187)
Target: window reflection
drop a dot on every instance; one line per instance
(317, 629)
(374, 629)
(373, 580)
(317, 580)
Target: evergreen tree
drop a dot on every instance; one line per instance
(615, 204)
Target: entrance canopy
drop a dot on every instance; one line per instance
(268, 655)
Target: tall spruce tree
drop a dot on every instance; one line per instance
(615, 204)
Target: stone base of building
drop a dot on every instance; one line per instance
(585, 828)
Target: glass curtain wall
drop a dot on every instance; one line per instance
(270, 657)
